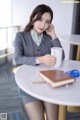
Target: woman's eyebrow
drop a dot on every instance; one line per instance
(46, 19)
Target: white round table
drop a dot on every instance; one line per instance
(73, 39)
(65, 95)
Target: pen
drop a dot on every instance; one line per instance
(38, 82)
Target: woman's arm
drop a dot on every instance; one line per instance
(55, 41)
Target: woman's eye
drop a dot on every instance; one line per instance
(48, 22)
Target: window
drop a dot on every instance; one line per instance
(7, 30)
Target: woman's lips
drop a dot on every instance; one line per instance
(41, 29)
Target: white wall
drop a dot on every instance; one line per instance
(63, 14)
(5, 12)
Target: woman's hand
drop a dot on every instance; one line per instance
(48, 60)
(51, 31)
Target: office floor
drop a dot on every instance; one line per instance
(9, 97)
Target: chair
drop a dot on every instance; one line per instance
(64, 109)
(78, 53)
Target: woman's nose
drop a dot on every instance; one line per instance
(42, 24)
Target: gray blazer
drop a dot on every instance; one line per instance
(26, 51)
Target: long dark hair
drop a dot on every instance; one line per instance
(38, 12)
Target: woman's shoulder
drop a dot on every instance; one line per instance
(22, 36)
(22, 33)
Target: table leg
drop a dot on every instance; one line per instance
(62, 112)
(78, 53)
(6, 50)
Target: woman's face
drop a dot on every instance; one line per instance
(42, 25)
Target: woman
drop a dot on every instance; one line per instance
(33, 47)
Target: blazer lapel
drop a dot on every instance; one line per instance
(29, 43)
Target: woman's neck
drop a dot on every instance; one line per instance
(39, 34)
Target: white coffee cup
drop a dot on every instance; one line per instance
(57, 52)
